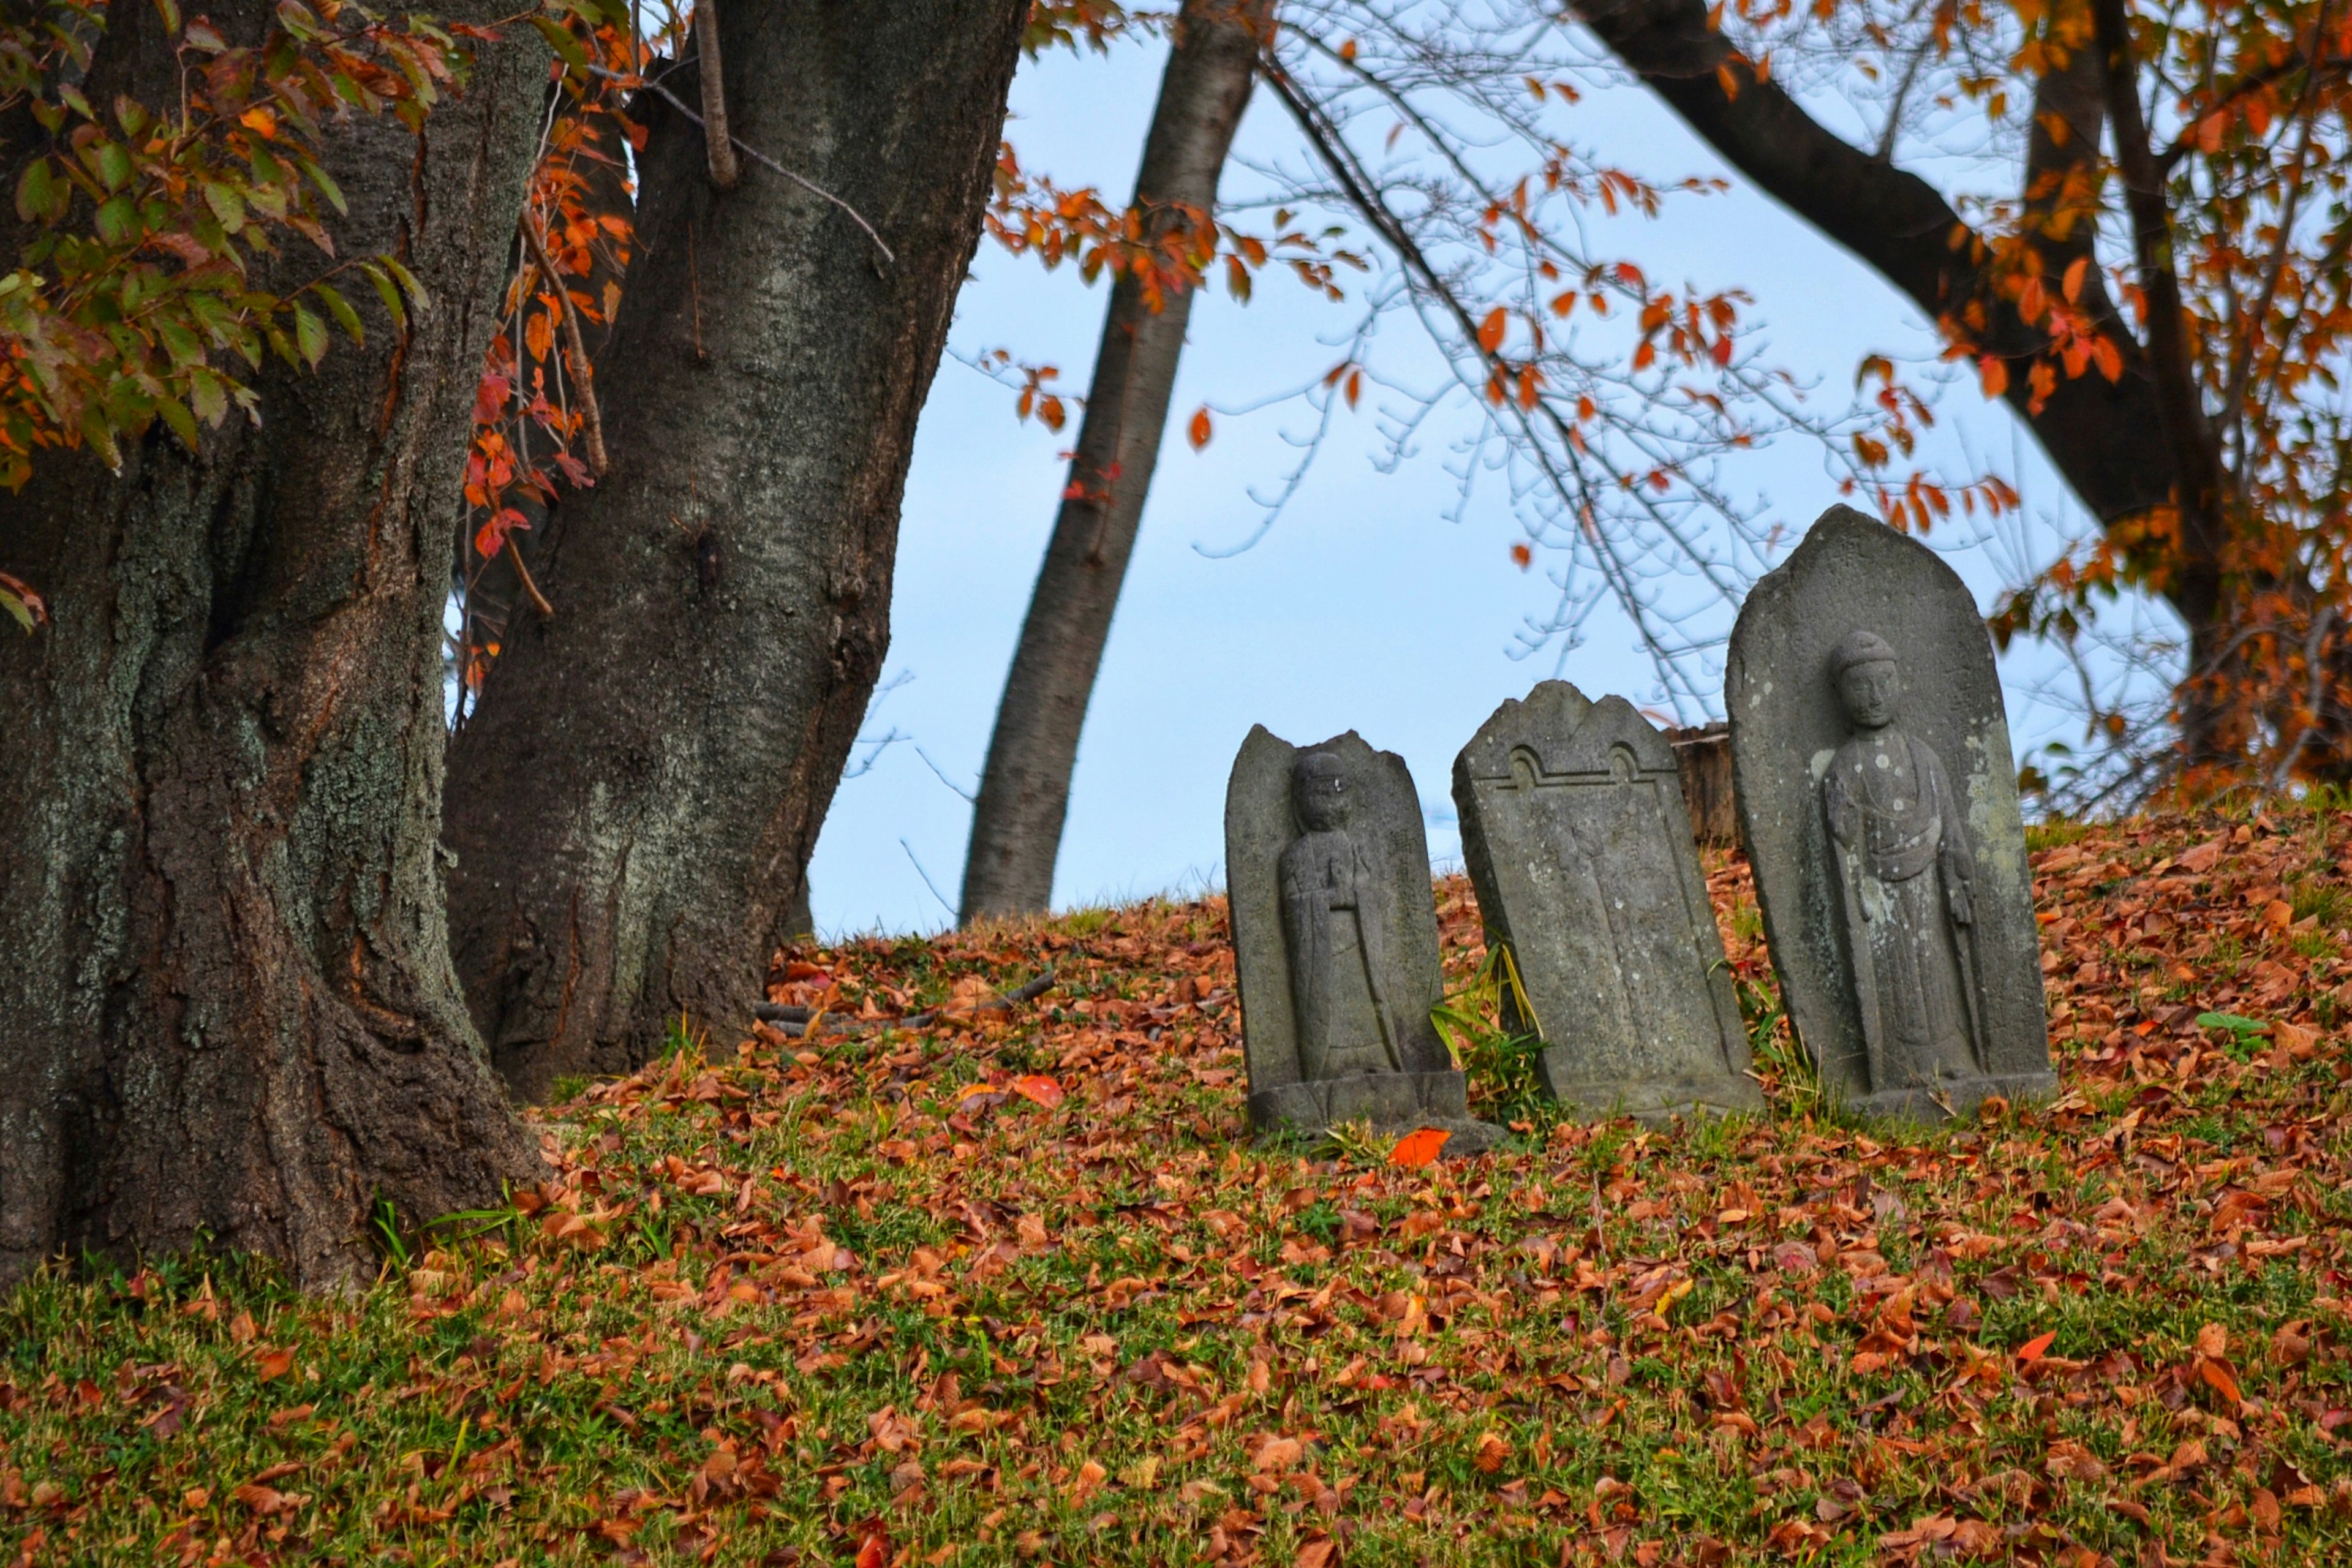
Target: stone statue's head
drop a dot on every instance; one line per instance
(1868, 682)
(1319, 788)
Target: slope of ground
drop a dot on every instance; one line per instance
(1011, 1286)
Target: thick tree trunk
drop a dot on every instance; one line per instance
(226, 1009)
(1025, 790)
(634, 802)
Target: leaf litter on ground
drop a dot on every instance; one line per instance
(1016, 1287)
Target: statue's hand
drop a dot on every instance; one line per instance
(1963, 908)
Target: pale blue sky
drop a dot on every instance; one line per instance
(1363, 608)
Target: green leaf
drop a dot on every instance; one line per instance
(563, 41)
(182, 345)
(169, 11)
(205, 392)
(227, 204)
(282, 345)
(100, 436)
(2235, 1022)
(111, 163)
(408, 283)
(387, 292)
(175, 414)
(340, 308)
(36, 191)
(327, 186)
(118, 221)
(311, 334)
(16, 607)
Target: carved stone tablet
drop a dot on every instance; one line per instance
(1577, 840)
(1335, 940)
(1878, 799)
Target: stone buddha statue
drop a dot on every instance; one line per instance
(1906, 878)
(1336, 930)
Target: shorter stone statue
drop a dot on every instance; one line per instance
(1335, 940)
(1879, 802)
(1576, 838)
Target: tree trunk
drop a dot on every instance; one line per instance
(634, 802)
(1025, 790)
(226, 1011)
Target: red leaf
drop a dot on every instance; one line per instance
(2035, 1348)
(1199, 431)
(1417, 1149)
(1037, 1087)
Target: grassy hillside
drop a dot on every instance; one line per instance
(1012, 1287)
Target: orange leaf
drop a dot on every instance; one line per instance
(1994, 375)
(1037, 1087)
(2035, 1348)
(1417, 1149)
(2217, 1377)
(1199, 430)
(275, 1364)
(1490, 331)
(1523, 556)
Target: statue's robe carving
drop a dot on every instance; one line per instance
(1905, 876)
(1337, 933)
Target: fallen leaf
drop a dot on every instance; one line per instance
(1038, 1087)
(1417, 1149)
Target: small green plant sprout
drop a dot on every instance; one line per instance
(383, 1234)
(2243, 1031)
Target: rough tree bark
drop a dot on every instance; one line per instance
(634, 802)
(1024, 789)
(2108, 440)
(227, 1009)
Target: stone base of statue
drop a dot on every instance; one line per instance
(1566, 1076)
(1958, 1099)
(1394, 1103)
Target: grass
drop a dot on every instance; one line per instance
(873, 1300)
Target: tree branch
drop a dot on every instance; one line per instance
(2102, 436)
(2170, 360)
(719, 145)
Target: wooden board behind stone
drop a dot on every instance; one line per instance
(1853, 575)
(1578, 842)
(1260, 825)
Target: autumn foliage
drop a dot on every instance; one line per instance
(1013, 1285)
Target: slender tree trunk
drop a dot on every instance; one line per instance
(226, 1008)
(1025, 790)
(634, 802)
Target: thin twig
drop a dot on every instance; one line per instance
(539, 600)
(811, 186)
(798, 1017)
(584, 374)
(716, 144)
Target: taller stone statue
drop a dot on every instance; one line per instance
(1878, 800)
(1334, 942)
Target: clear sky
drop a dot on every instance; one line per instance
(1364, 607)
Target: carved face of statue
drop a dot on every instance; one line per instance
(1871, 692)
(1319, 787)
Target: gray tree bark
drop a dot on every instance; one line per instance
(1024, 789)
(226, 1008)
(634, 802)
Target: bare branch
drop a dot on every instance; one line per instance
(720, 147)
